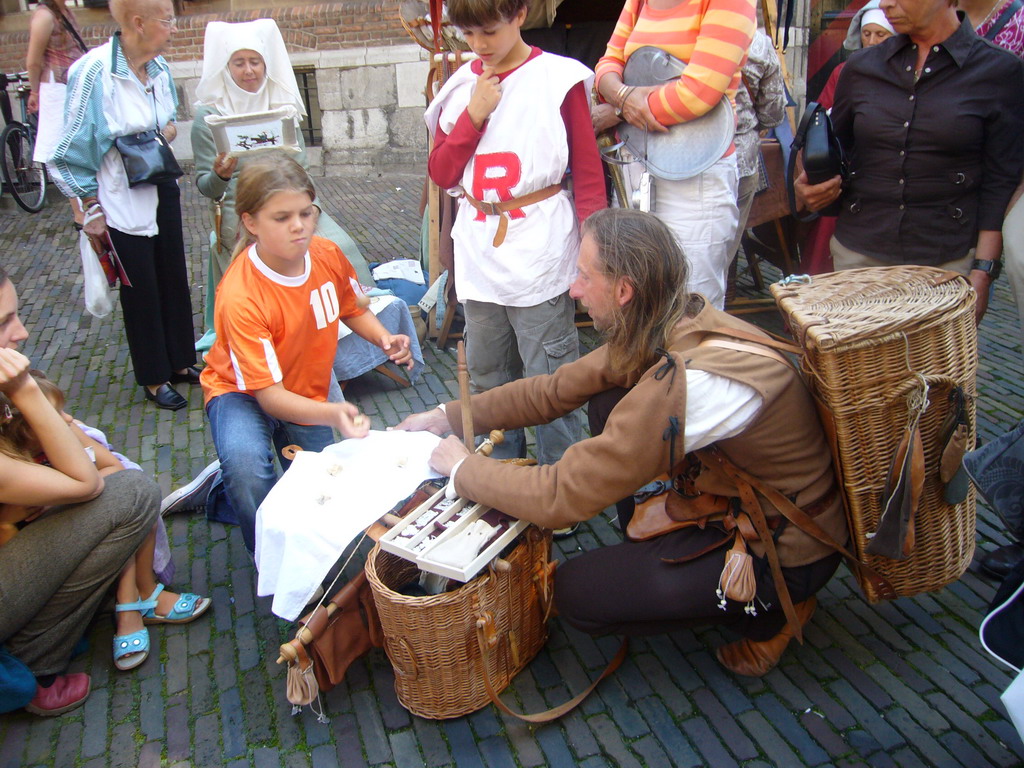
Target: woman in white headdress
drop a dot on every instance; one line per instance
(245, 69)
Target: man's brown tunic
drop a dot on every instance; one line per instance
(784, 445)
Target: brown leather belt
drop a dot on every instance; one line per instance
(813, 509)
(501, 209)
(824, 503)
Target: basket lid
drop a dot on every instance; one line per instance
(840, 308)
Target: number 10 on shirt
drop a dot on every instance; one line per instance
(325, 305)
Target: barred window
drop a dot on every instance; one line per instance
(311, 127)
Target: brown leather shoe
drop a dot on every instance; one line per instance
(64, 694)
(753, 658)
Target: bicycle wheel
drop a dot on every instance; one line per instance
(25, 179)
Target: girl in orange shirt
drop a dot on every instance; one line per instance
(276, 317)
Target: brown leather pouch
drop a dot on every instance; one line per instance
(895, 535)
(953, 437)
(344, 632)
(737, 581)
(664, 511)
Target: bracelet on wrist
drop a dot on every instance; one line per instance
(620, 94)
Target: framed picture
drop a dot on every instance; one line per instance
(255, 132)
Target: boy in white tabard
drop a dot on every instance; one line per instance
(507, 129)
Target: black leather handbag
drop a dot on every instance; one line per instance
(822, 154)
(147, 158)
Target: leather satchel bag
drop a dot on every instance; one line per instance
(329, 639)
(147, 158)
(822, 156)
(343, 630)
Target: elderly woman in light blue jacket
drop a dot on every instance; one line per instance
(121, 88)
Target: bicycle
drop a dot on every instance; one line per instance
(25, 178)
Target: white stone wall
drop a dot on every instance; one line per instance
(372, 102)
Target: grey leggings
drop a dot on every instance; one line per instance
(55, 572)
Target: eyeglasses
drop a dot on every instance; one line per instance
(170, 23)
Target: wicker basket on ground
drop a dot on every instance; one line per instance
(872, 339)
(432, 641)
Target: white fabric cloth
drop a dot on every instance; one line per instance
(216, 88)
(312, 515)
(717, 408)
(703, 215)
(537, 260)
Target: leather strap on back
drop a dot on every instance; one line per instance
(801, 520)
(714, 456)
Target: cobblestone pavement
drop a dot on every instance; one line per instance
(903, 683)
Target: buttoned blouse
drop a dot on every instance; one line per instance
(934, 158)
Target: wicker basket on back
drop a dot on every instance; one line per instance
(871, 338)
(432, 641)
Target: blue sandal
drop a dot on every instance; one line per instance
(187, 607)
(132, 650)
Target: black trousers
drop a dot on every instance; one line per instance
(157, 308)
(629, 589)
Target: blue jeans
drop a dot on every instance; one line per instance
(247, 441)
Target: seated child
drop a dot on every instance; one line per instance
(276, 316)
(131, 642)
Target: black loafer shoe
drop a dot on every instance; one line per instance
(1000, 561)
(190, 376)
(166, 397)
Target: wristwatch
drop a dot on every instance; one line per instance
(994, 267)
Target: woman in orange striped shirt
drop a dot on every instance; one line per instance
(712, 37)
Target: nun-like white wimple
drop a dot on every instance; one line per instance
(216, 88)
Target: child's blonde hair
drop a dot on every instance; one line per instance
(260, 180)
(17, 438)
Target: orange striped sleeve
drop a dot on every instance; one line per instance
(723, 36)
(614, 59)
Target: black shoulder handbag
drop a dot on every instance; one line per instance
(147, 156)
(823, 156)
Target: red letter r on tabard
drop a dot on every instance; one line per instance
(499, 171)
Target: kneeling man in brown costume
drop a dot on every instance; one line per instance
(683, 391)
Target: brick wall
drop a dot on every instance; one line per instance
(321, 27)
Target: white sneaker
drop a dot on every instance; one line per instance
(192, 496)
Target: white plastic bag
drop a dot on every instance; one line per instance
(97, 294)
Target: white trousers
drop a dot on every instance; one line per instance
(702, 214)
